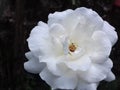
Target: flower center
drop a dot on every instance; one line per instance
(72, 47)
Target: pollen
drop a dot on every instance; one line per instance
(72, 47)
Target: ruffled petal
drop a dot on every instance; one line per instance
(98, 58)
(52, 65)
(29, 55)
(81, 30)
(108, 63)
(83, 17)
(64, 82)
(93, 19)
(98, 72)
(57, 67)
(70, 22)
(86, 86)
(67, 19)
(58, 17)
(42, 24)
(81, 64)
(110, 77)
(65, 70)
(58, 34)
(33, 66)
(110, 32)
(95, 74)
(57, 31)
(48, 77)
(101, 43)
(39, 40)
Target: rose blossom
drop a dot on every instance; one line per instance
(72, 50)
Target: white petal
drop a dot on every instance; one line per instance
(48, 77)
(64, 82)
(80, 18)
(64, 70)
(39, 40)
(101, 59)
(33, 66)
(86, 86)
(32, 56)
(110, 32)
(94, 74)
(52, 65)
(81, 64)
(89, 21)
(81, 31)
(92, 17)
(58, 34)
(57, 30)
(110, 77)
(108, 63)
(70, 22)
(29, 55)
(98, 58)
(101, 44)
(58, 17)
(57, 67)
(42, 24)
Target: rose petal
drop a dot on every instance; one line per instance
(110, 32)
(102, 43)
(42, 24)
(81, 64)
(58, 34)
(92, 17)
(29, 55)
(52, 65)
(98, 58)
(48, 77)
(39, 40)
(57, 30)
(66, 82)
(70, 22)
(64, 70)
(55, 82)
(57, 67)
(110, 77)
(108, 63)
(94, 74)
(58, 17)
(79, 18)
(33, 66)
(86, 86)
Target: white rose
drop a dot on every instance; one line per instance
(72, 50)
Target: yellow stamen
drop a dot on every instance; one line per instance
(72, 47)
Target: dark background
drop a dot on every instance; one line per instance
(18, 17)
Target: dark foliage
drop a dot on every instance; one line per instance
(18, 17)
